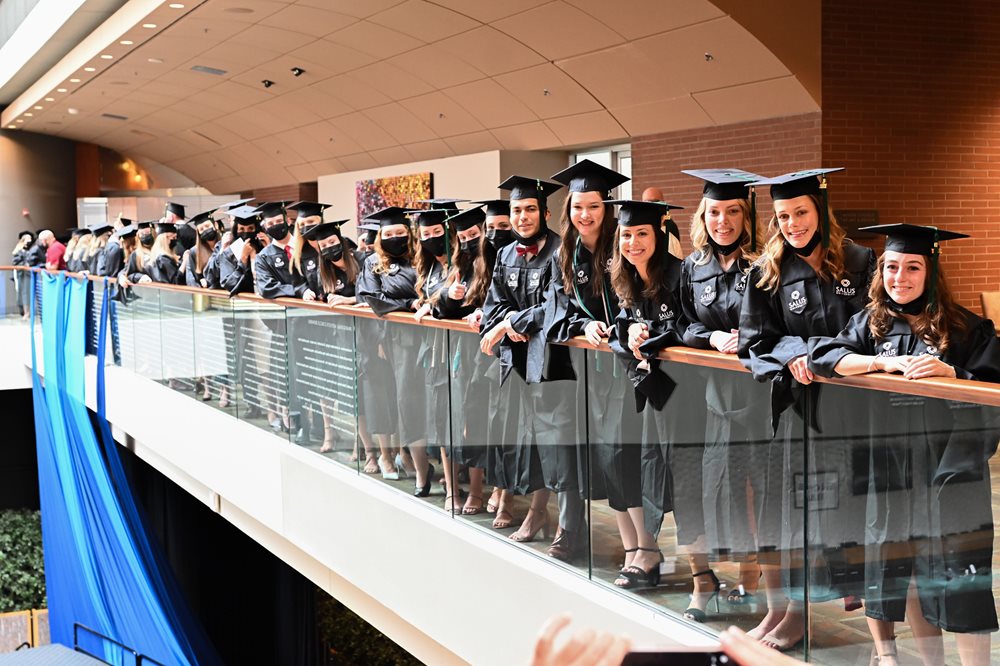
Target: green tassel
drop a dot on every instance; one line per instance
(824, 212)
(753, 219)
(932, 292)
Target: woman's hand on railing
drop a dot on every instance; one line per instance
(475, 320)
(595, 332)
(726, 343)
(637, 334)
(926, 365)
(309, 295)
(145, 279)
(422, 312)
(337, 299)
(799, 367)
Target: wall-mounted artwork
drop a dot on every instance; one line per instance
(404, 191)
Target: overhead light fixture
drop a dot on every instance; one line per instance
(175, 5)
(89, 69)
(107, 56)
(126, 42)
(19, 120)
(74, 80)
(205, 69)
(11, 126)
(38, 108)
(149, 26)
(29, 114)
(267, 83)
(298, 71)
(71, 111)
(155, 61)
(50, 99)
(60, 90)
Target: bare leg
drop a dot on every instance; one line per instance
(928, 637)
(704, 585)
(451, 487)
(777, 602)
(884, 634)
(789, 631)
(630, 540)
(371, 462)
(504, 517)
(418, 452)
(537, 518)
(474, 502)
(974, 649)
(648, 556)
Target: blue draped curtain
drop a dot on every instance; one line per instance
(102, 568)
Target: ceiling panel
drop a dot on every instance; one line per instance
(476, 142)
(641, 18)
(334, 58)
(548, 91)
(490, 103)
(364, 131)
(400, 123)
(312, 142)
(391, 155)
(529, 136)
(358, 161)
(593, 127)
(436, 66)
(442, 114)
(278, 151)
(315, 21)
(424, 20)
(428, 150)
(490, 51)
(354, 92)
(488, 11)
(622, 75)
(756, 101)
(376, 40)
(680, 113)
(351, 7)
(392, 81)
(247, 11)
(559, 30)
(329, 165)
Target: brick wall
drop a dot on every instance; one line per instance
(767, 147)
(293, 192)
(910, 107)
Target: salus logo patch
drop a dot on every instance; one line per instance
(512, 279)
(393, 269)
(887, 350)
(846, 289)
(665, 313)
(798, 302)
(534, 278)
(707, 295)
(582, 277)
(741, 283)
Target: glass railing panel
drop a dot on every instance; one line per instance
(214, 350)
(16, 294)
(95, 293)
(122, 328)
(900, 536)
(260, 380)
(145, 308)
(177, 342)
(323, 394)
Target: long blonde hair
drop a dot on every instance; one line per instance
(769, 263)
(161, 246)
(298, 244)
(699, 233)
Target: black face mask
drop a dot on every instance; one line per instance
(727, 249)
(470, 247)
(395, 247)
(246, 235)
(499, 238)
(332, 252)
(209, 235)
(277, 231)
(434, 245)
(146, 240)
(914, 307)
(808, 249)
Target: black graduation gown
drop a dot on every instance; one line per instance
(164, 269)
(609, 437)
(399, 375)
(774, 329)
(212, 276)
(111, 259)
(35, 256)
(734, 410)
(274, 277)
(92, 263)
(537, 449)
(433, 356)
(923, 471)
(663, 421)
(235, 276)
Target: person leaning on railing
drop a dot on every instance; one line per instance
(913, 327)
(646, 279)
(809, 280)
(164, 264)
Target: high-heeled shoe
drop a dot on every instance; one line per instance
(544, 527)
(627, 551)
(633, 577)
(425, 490)
(400, 467)
(697, 614)
(388, 472)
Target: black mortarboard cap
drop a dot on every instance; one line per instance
(912, 238)
(389, 216)
(468, 218)
(27, 232)
(724, 184)
(175, 208)
(146, 224)
(229, 205)
(801, 183)
(495, 207)
(324, 230)
(587, 176)
(244, 214)
(522, 187)
(444, 204)
(309, 208)
(634, 213)
(271, 208)
(100, 228)
(431, 217)
(202, 217)
(124, 221)
(164, 227)
(81, 232)
(127, 231)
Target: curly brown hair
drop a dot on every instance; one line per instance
(936, 322)
(625, 278)
(769, 262)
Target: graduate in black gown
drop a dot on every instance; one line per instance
(646, 278)
(140, 259)
(164, 264)
(76, 260)
(100, 233)
(539, 445)
(581, 302)
(929, 515)
(809, 280)
(469, 389)
(387, 283)
(195, 261)
(367, 233)
(112, 259)
(725, 237)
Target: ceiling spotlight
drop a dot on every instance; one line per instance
(298, 71)
(60, 90)
(29, 114)
(709, 57)
(149, 26)
(155, 61)
(38, 108)
(107, 56)
(267, 83)
(11, 126)
(19, 120)
(89, 69)
(50, 99)
(71, 111)
(74, 80)
(545, 92)
(175, 5)
(126, 42)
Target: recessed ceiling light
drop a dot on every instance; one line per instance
(89, 69)
(19, 120)
(11, 126)
(238, 10)
(29, 114)
(107, 56)
(155, 61)
(149, 26)
(72, 111)
(38, 108)
(74, 80)
(126, 42)
(50, 99)
(175, 5)
(60, 90)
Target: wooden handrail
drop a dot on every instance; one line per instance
(983, 393)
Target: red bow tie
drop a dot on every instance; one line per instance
(527, 250)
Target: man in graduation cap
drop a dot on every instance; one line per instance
(273, 265)
(513, 318)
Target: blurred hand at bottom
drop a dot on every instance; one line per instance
(586, 647)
